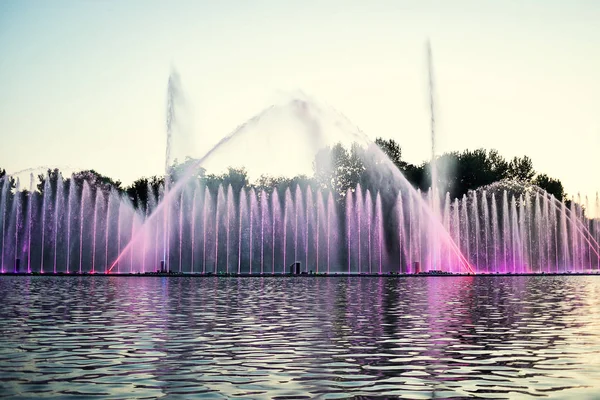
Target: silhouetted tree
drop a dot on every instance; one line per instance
(550, 185)
(393, 150)
(138, 190)
(521, 169)
(52, 176)
(498, 164)
(236, 177)
(474, 170)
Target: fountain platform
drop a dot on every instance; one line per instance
(303, 275)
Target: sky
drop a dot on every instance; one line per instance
(84, 83)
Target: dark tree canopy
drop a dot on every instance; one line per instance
(521, 169)
(392, 149)
(550, 185)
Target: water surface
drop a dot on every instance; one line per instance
(302, 337)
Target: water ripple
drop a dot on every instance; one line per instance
(291, 338)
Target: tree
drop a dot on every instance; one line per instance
(52, 176)
(474, 170)
(11, 182)
(393, 150)
(138, 190)
(447, 179)
(499, 166)
(190, 166)
(236, 177)
(550, 185)
(96, 181)
(332, 169)
(521, 169)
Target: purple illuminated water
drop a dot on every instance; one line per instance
(496, 230)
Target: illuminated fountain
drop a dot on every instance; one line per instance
(76, 226)
(382, 225)
(501, 228)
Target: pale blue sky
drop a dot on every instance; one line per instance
(83, 83)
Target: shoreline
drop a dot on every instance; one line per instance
(288, 275)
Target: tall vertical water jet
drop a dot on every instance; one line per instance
(401, 232)
(358, 204)
(486, 228)
(275, 212)
(45, 204)
(288, 204)
(320, 213)
(349, 209)
(264, 217)
(297, 216)
(369, 220)
(379, 226)
(58, 208)
(575, 262)
(181, 231)
(110, 205)
(446, 258)
(330, 219)
(193, 227)
(476, 228)
(146, 212)
(528, 231)
(555, 226)
(252, 217)
(495, 231)
(522, 232)
(589, 247)
(564, 237)
(30, 213)
(307, 211)
(18, 207)
(5, 182)
(230, 217)
(242, 210)
(465, 221)
(85, 198)
(433, 234)
(418, 224)
(548, 231)
(506, 231)
(97, 208)
(72, 198)
(219, 203)
(456, 219)
(206, 205)
(516, 243)
(173, 96)
(121, 229)
(411, 247)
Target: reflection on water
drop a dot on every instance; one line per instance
(336, 337)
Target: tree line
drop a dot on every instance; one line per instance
(336, 169)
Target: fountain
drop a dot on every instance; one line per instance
(502, 228)
(382, 225)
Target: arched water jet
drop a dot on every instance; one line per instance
(437, 226)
